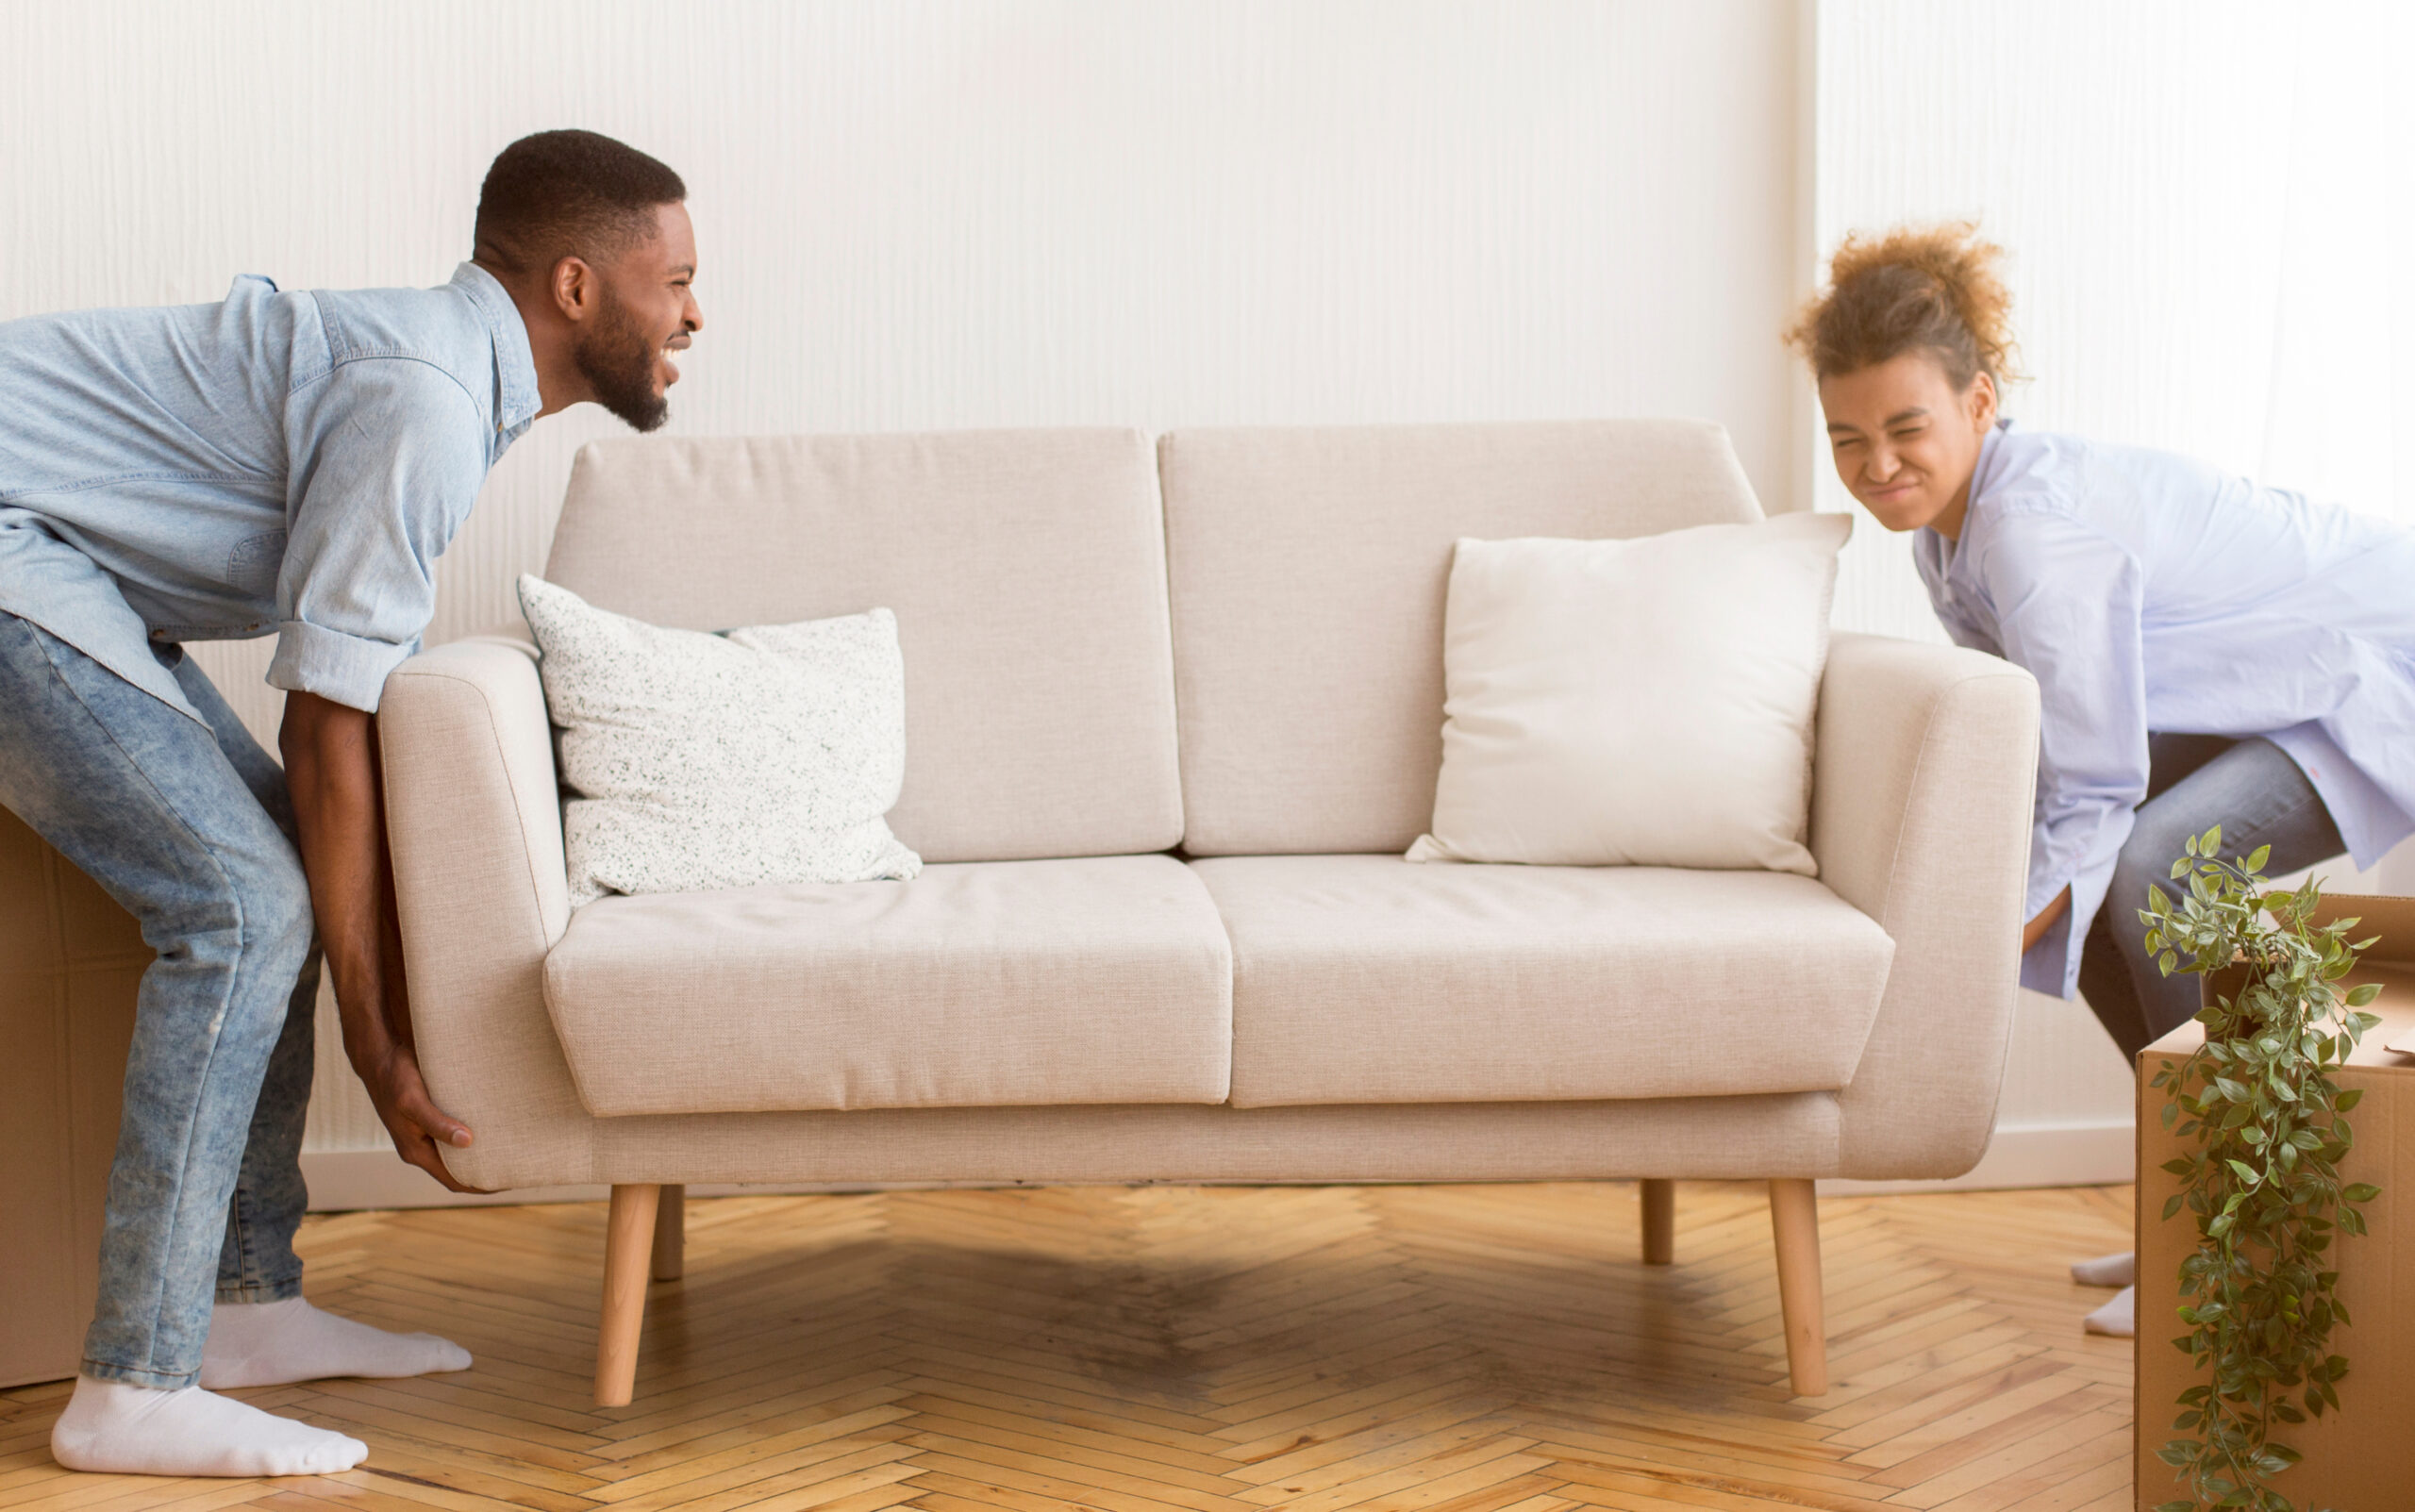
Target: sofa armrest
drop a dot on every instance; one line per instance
(1923, 780)
(475, 818)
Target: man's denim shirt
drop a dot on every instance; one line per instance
(286, 462)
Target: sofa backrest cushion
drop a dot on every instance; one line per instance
(1027, 573)
(1309, 571)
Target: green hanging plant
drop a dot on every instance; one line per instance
(2264, 1185)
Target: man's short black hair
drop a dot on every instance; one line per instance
(567, 195)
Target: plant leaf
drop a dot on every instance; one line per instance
(2265, 1129)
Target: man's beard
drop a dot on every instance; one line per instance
(617, 360)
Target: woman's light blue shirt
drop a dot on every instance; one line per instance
(276, 464)
(2149, 592)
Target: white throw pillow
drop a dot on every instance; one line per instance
(692, 760)
(1635, 703)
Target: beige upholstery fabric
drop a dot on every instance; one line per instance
(1920, 795)
(1309, 569)
(1027, 573)
(1696, 1138)
(476, 823)
(1919, 817)
(1921, 790)
(1371, 979)
(1012, 983)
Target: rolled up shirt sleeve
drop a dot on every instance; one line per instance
(2069, 603)
(388, 460)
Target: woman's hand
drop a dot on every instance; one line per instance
(2036, 929)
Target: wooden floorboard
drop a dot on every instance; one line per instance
(1167, 1349)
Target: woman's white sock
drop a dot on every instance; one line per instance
(2118, 1318)
(2109, 1270)
(270, 1343)
(135, 1430)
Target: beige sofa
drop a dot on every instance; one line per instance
(1230, 643)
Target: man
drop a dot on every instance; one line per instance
(288, 464)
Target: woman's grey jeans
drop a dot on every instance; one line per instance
(2259, 797)
(190, 828)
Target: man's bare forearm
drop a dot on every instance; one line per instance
(331, 770)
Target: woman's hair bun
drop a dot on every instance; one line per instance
(1933, 289)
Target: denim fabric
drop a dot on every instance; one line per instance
(278, 463)
(2259, 796)
(188, 825)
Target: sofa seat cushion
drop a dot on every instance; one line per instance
(1369, 979)
(986, 984)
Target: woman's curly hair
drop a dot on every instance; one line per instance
(1932, 289)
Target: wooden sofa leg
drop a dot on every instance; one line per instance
(628, 1239)
(1794, 1218)
(671, 1232)
(1660, 1221)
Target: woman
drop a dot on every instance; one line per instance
(2208, 651)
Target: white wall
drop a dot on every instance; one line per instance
(2209, 206)
(937, 215)
(933, 215)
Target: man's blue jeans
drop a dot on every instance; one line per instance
(2259, 797)
(190, 829)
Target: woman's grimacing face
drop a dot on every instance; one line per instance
(1906, 441)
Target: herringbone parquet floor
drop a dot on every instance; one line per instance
(1449, 1349)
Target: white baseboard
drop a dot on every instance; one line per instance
(2044, 1155)
(2061, 1155)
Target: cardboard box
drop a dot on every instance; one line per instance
(2360, 1458)
(70, 962)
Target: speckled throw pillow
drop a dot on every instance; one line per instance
(691, 760)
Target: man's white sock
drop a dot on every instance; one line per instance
(2110, 1270)
(135, 1430)
(2118, 1318)
(270, 1343)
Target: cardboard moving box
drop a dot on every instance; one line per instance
(70, 962)
(2360, 1458)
